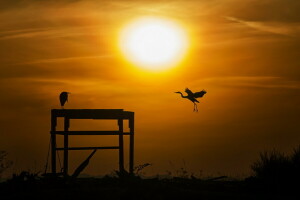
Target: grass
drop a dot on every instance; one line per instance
(130, 188)
(277, 171)
(4, 162)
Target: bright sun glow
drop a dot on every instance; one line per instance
(154, 43)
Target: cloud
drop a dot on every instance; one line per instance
(262, 82)
(65, 59)
(283, 11)
(287, 29)
(50, 32)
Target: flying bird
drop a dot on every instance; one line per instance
(63, 98)
(192, 96)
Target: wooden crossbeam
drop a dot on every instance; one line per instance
(89, 133)
(86, 148)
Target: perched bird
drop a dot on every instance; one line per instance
(192, 96)
(63, 98)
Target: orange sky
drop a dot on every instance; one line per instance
(244, 53)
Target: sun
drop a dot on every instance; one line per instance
(153, 43)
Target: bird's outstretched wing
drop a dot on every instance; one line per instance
(200, 94)
(189, 92)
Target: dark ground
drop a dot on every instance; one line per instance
(136, 188)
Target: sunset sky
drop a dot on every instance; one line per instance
(245, 54)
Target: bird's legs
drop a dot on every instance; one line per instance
(195, 107)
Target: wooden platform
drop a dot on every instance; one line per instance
(97, 114)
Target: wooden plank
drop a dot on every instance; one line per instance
(87, 148)
(92, 113)
(89, 133)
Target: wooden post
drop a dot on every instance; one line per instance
(131, 147)
(53, 143)
(121, 146)
(66, 145)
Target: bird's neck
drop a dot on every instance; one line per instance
(182, 95)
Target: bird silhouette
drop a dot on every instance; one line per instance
(192, 97)
(63, 98)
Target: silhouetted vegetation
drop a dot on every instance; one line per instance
(4, 162)
(131, 187)
(24, 177)
(277, 170)
(139, 168)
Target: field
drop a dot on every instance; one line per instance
(275, 176)
(137, 188)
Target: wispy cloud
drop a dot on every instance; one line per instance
(50, 32)
(287, 29)
(264, 82)
(65, 59)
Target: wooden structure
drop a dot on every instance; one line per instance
(98, 114)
